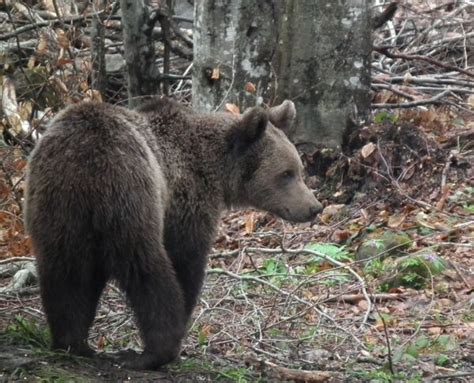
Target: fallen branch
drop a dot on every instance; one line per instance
(433, 100)
(46, 23)
(355, 298)
(226, 254)
(386, 52)
(386, 15)
(452, 376)
(426, 80)
(331, 261)
(285, 374)
(245, 277)
(393, 90)
(16, 259)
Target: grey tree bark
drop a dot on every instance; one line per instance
(314, 52)
(234, 42)
(323, 65)
(143, 74)
(99, 75)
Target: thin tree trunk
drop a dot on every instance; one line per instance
(143, 74)
(99, 75)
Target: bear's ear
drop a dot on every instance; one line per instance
(283, 115)
(249, 128)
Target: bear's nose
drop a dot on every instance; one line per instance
(315, 209)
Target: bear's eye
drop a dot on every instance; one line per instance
(288, 174)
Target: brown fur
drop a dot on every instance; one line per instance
(136, 196)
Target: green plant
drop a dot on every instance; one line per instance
(415, 270)
(384, 376)
(213, 371)
(464, 198)
(469, 208)
(424, 345)
(28, 332)
(335, 278)
(276, 270)
(374, 267)
(312, 267)
(442, 360)
(385, 116)
(338, 253)
(238, 375)
(445, 342)
(58, 375)
(274, 266)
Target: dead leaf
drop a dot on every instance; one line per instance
(340, 236)
(63, 61)
(25, 110)
(93, 95)
(42, 47)
(444, 302)
(232, 108)
(206, 330)
(101, 342)
(364, 214)
(368, 149)
(396, 220)
(434, 330)
(61, 85)
(10, 108)
(333, 209)
(250, 87)
(408, 172)
(216, 74)
(62, 39)
(19, 164)
(31, 62)
(442, 201)
(250, 223)
(470, 101)
(423, 219)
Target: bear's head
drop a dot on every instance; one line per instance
(267, 172)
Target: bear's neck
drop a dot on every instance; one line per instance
(196, 159)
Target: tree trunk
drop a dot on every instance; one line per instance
(314, 52)
(234, 42)
(99, 75)
(143, 74)
(323, 65)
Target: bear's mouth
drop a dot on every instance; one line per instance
(286, 214)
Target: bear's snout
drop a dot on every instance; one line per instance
(304, 210)
(315, 209)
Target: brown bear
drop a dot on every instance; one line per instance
(136, 196)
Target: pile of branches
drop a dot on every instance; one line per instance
(50, 54)
(424, 56)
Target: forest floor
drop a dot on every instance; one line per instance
(378, 288)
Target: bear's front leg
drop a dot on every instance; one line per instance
(157, 301)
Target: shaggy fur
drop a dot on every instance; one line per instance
(136, 196)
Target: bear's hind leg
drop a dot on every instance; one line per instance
(70, 299)
(157, 301)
